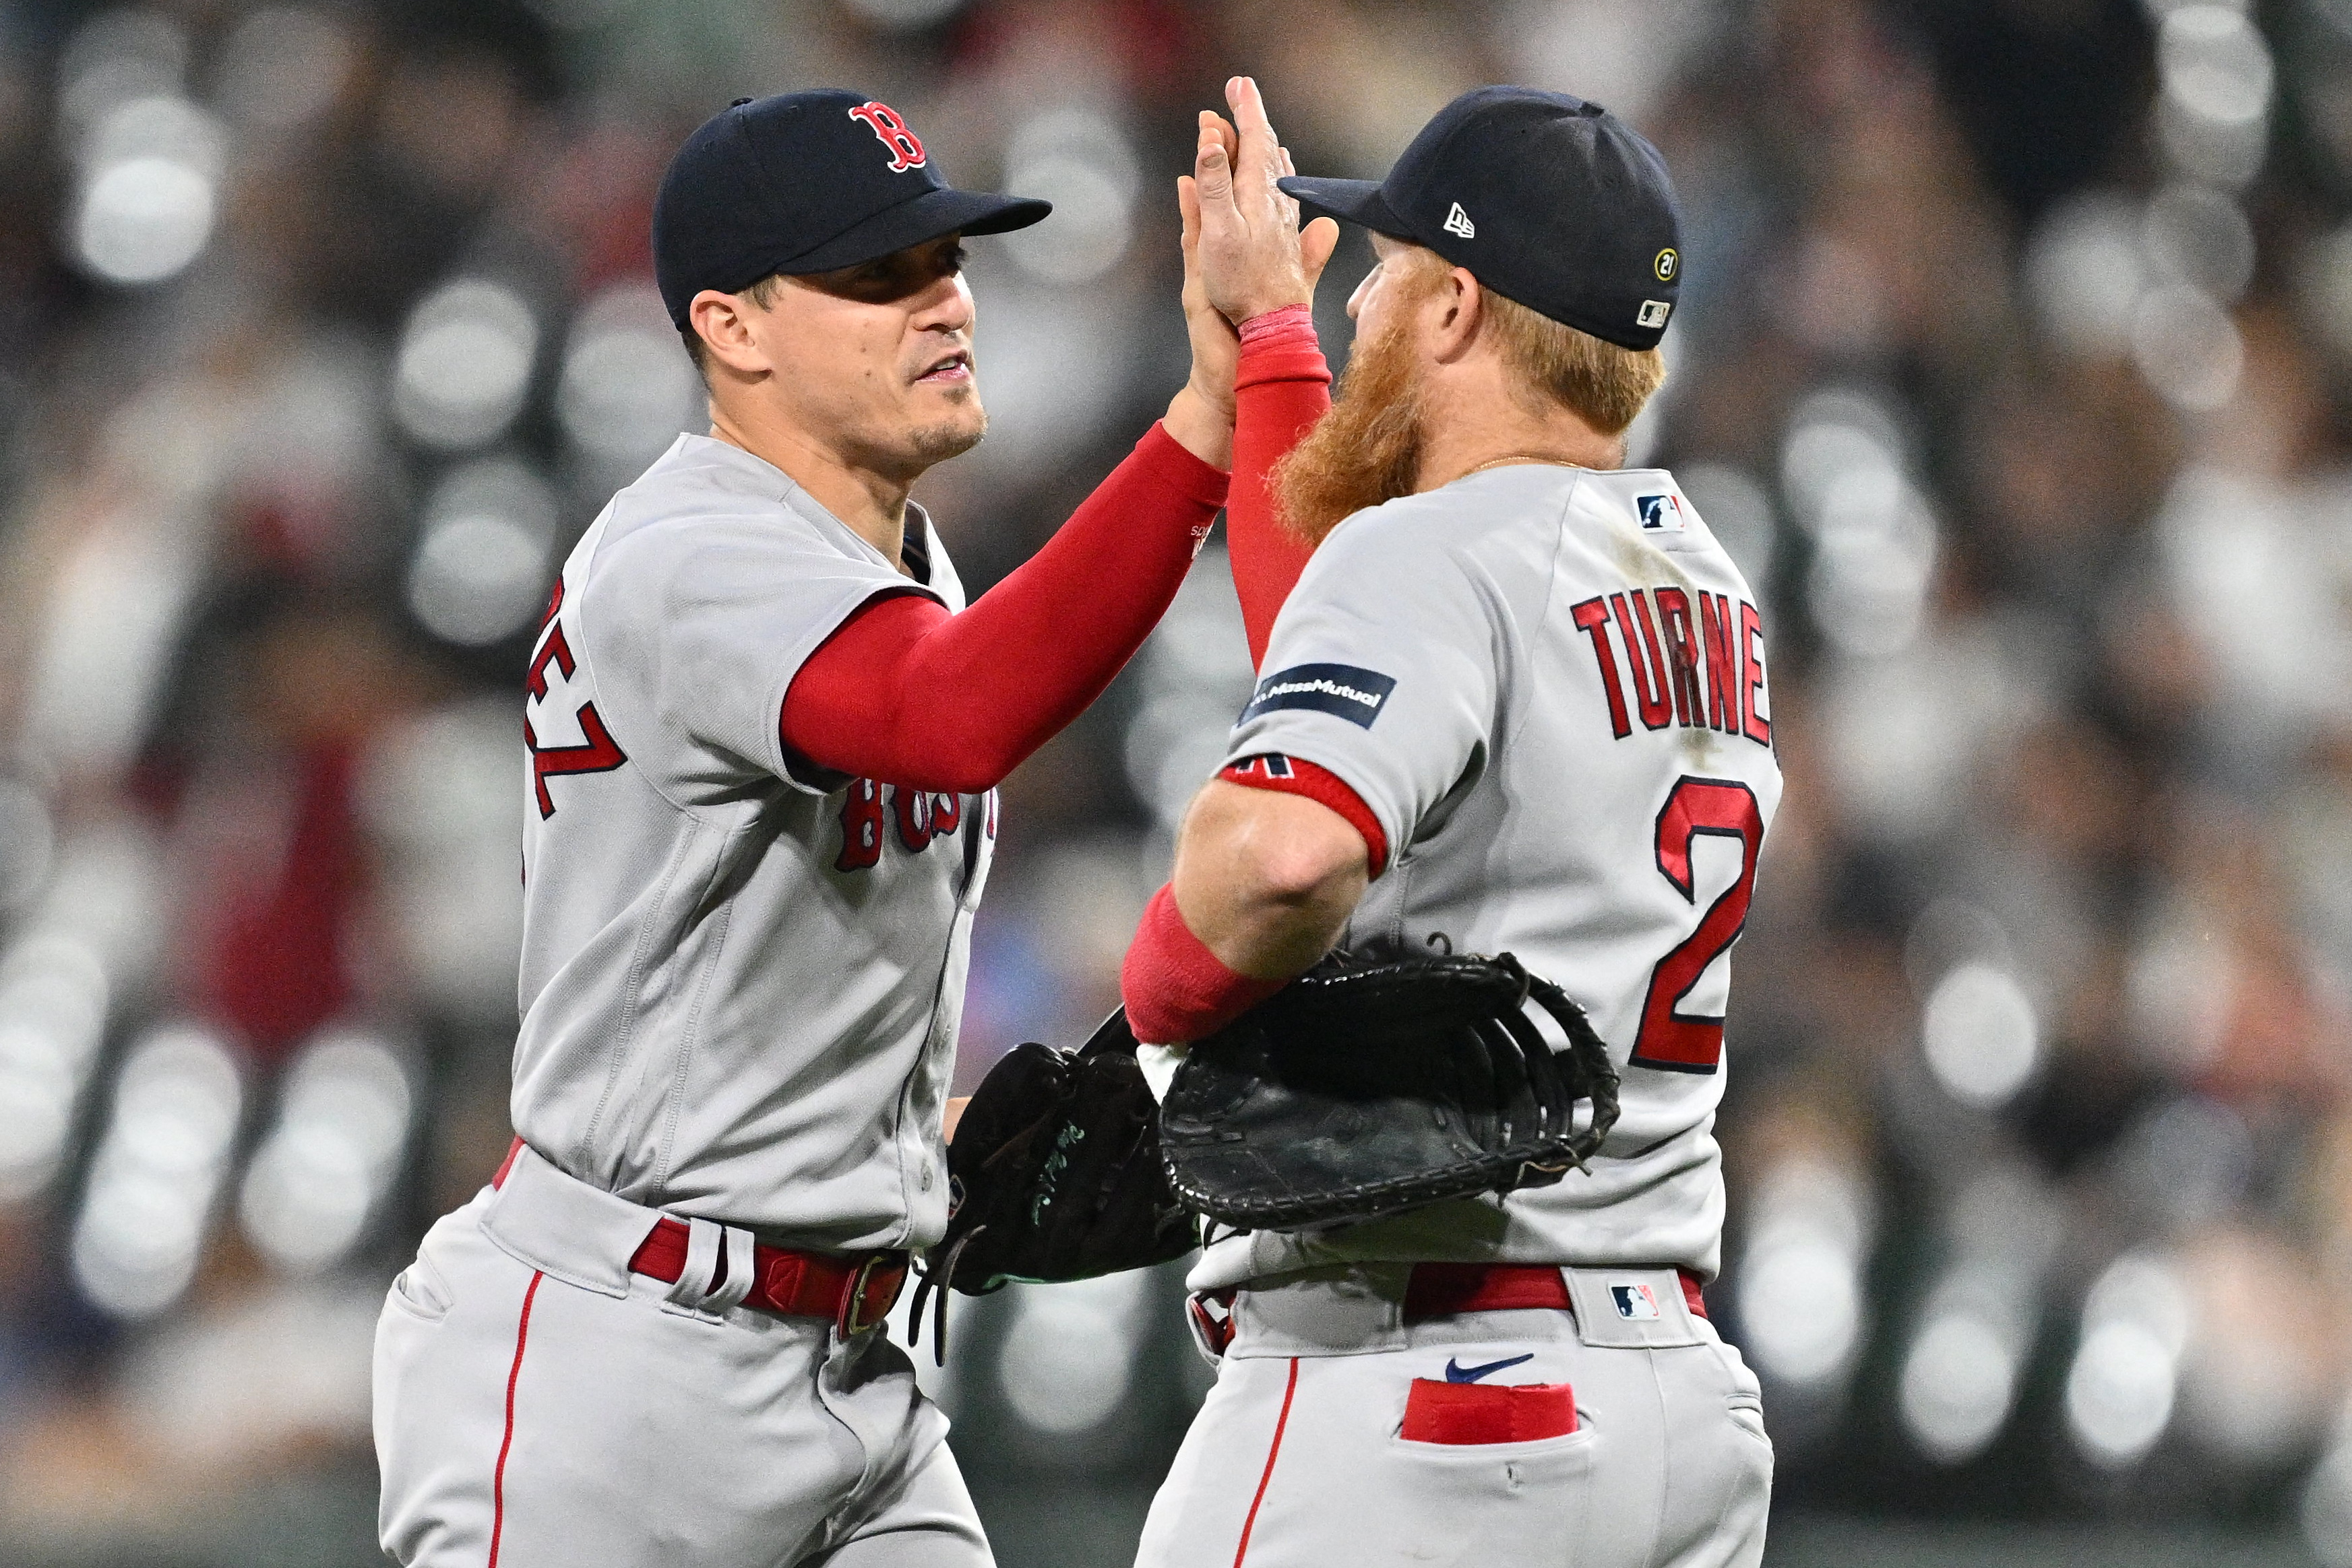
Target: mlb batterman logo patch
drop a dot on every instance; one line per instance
(1634, 1301)
(1660, 514)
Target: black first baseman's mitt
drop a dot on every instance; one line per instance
(1361, 1089)
(1053, 1174)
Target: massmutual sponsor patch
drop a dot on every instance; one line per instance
(1356, 696)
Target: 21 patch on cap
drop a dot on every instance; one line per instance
(1355, 694)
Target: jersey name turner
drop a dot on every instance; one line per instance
(1547, 687)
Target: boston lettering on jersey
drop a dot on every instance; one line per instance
(920, 815)
(1696, 659)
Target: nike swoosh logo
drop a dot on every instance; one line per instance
(1457, 1372)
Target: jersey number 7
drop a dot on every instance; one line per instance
(1671, 1038)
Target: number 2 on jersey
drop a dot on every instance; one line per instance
(1671, 1038)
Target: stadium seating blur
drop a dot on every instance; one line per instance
(2014, 366)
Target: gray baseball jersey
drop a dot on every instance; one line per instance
(741, 979)
(1548, 684)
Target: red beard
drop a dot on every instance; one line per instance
(1367, 450)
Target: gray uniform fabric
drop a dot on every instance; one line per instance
(530, 1390)
(740, 985)
(741, 981)
(1548, 684)
(1443, 654)
(1296, 1459)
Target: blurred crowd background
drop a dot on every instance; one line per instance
(2014, 365)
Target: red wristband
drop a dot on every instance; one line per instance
(1175, 989)
(1281, 346)
(1291, 322)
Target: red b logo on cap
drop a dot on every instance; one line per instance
(906, 152)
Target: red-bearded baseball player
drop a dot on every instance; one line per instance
(1514, 700)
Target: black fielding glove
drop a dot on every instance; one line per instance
(1365, 1088)
(1054, 1175)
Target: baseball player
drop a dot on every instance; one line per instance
(763, 733)
(1515, 702)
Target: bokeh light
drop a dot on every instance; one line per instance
(1979, 1034)
(481, 569)
(1066, 1362)
(158, 1166)
(1082, 163)
(2121, 1386)
(465, 363)
(322, 1170)
(627, 388)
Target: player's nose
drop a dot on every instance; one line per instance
(943, 307)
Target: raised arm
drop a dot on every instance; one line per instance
(1260, 269)
(908, 693)
(905, 692)
(1283, 390)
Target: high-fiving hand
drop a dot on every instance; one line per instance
(1243, 243)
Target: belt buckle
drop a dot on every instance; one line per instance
(850, 1318)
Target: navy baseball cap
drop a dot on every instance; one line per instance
(1544, 198)
(805, 182)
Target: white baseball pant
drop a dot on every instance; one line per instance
(537, 1405)
(1300, 1458)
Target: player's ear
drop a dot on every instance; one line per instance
(725, 327)
(1456, 307)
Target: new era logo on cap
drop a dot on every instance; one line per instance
(1634, 1301)
(1457, 221)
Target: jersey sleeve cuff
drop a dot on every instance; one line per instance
(1295, 775)
(784, 762)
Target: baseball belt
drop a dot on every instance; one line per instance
(856, 1290)
(1443, 1290)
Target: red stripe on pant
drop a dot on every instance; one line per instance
(1275, 1449)
(514, 1374)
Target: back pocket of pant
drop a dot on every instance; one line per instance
(421, 1292)
(1477, 1414)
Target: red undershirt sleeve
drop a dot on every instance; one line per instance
(1297, 776)
(1284, 387)
(905, 692)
